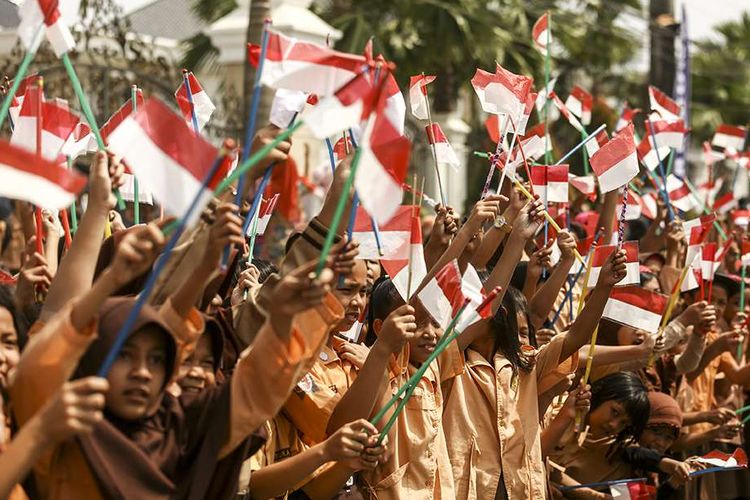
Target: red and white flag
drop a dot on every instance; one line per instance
(267, 206)
(79, 142)
(444, 295)
(383, 165)
(57, 124)
(602, 253)
(650, 156)
(632, 490)
(28, 177)
(418, 95)
(626, 117)
(538, 131)
(201, 104)
(541, 34)
(443, 150)
(520, 127)
(348, 107)
(745, 259)
(709, 190)
(741, 218)
(550, 182)
(668, 133)
(596, 143)
(679, 194)
(171, 159)
(119, 116)
(729, 137)
(580, 103)
(54, 16)
(636, 307)
(394, 235)
(127, 190)
(649, 207)
(694, 276)
(566, 112)
(412, 250)
(634, 208)
(616, 163)
(395, 106)
(696, 230)
(296, 65)
(738, 459)
(586, 184)
(710, 260)
(17, 100)
(543, 96)
(286, 105)
(725, 204)
(502, 92)
(660, 102)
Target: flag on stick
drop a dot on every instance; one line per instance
(729, 137)
(394, 235)
(616, 163)
(418, 95)
(669, 134)
(198, 101)
(597, 142)
(541, 34)
(410, 253)
(660, 102)
(550, 182)
(443, 150)
(626, 117)
(47, 13)
(501, 92)
(580, 103)
(636, 307)
(602, 253)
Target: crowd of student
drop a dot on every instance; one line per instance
(240, 382)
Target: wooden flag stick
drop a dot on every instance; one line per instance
(431, 138)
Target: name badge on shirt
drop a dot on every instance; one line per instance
(306, 385)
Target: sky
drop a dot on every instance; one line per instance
(703, 15)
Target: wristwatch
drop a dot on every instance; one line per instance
(503, 225)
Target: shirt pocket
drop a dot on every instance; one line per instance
(393, 478)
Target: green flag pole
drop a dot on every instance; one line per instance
(136, 194)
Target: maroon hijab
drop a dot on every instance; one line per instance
(173, 452)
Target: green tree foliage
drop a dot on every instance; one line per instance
(199, 51)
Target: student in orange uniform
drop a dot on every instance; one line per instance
(491, 417)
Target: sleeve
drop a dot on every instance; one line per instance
(251, 314)
(642, 458)
(691, 357)
(550, 369)
(306, 246)
(451, 362)
(269, 369)
(50, 358)
(186, 331)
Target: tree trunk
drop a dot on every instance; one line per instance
(259, 11)
(662, 67)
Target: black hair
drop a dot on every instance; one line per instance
(625, 388)
(384, 300)
(20, 321)
(636, 229)
(6, 210)
(504, 325)
(608, 332)
(265, 267)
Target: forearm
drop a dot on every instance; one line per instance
(652, 241)
(189, 294)
(554, 432)
(692, 441)
(544, 299)
(608, 355)
(529, 285)
(19, 457)
(503, 271)
(694, 417)
(51, 244)
(360, 399)
(691, 357)
(88, 306)
(490, 243)
(586, 322)
(607, 215)
(76, 270)
(279, 478)
(328, 483)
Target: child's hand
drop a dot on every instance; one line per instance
(613, 270)
(75, 409)
(398, 328)
(375, 453)
(348, 445)
(356, 354)
(105, 175)
(115, 220)
(566, 242)
(136, 253)
(265, 136)
(344, 257)
(528, 221)
(247, 279)
(484, 211)
(35, 274)
(579, 400)
(680, 471)
(544, 336)
(541, 259)
(719, 416)
(226, 229)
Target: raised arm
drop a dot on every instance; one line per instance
(76, 270)
(607, 215)
(500, 230)
(544, 299)
(612, 272)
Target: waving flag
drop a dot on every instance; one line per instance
(538, 131)
(395, 106)
(709, 190)
(383, 165)
(296, 65)
(616, 163)
(725, 204)
(27, 177)
(580, 103)
(286, 105)
(201, 103)
(636, 307)
(597, 142)
(119, 116)
(626, 117)
(443, 150)
(550, 182)
(171, 159)
(411, 250)
(694, 276)
(348, 107)
(57, 124)
(80, 141)
(543, 94)
(541, 33)
(721, 460)
(394, 235)
(267, 207)
(602, 253)
(745, 253)
(586, 184)
(35, 13)
(632, 490)
(679, 194)
(418, 95)
(696, 230)
(648, 155)
(127, 190)
(729, 137)
(660, 102)
(670, 134)
(710, 260)
(566, 112)
(741, 218)
(444, 295)
(520, 128)
(502, 92)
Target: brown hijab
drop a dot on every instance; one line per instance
(171, 453)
